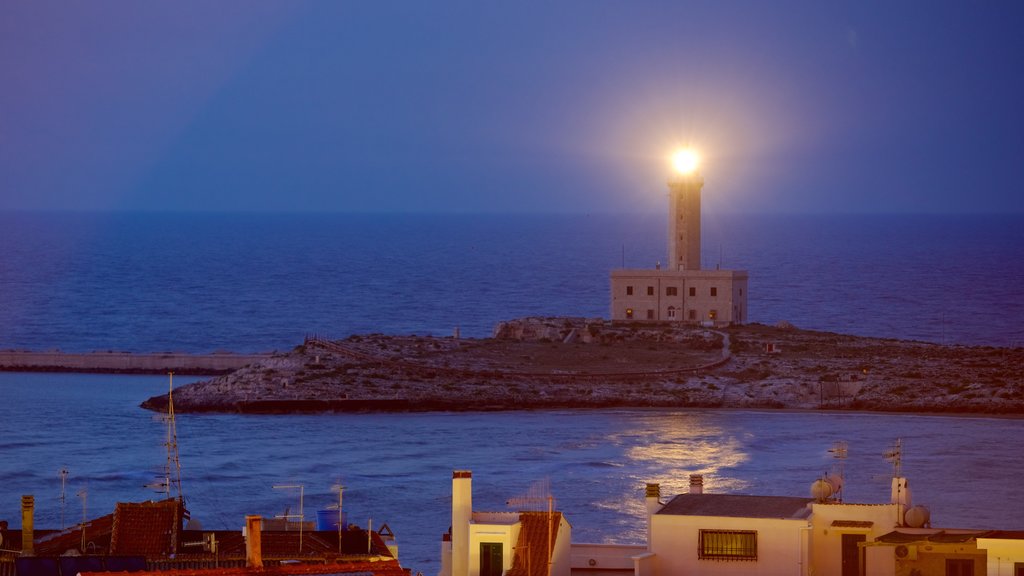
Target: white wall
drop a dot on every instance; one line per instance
(827, 541)
(505, 534)
(780, 546)
(608, 558)
(1002, 554)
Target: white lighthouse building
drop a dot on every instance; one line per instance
(681, 291)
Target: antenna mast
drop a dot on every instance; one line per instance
(84, 495)
(302, 519)
(838, 451)
(63, 486)
(895, 455)
(537, 496)
(173, 463)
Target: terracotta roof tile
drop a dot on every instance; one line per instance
(149, 529)
(97, 538)
(379, 568)
(531, 556)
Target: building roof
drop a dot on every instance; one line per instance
(738, 506)
(531, 555)
(377, 568)
(56, 543)
(937, 536)
(1005, 535)
(285, 545)
(149, 529)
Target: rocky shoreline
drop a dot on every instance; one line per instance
(537, 363)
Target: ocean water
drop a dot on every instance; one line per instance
(246, 282)
(397, 467)
(252, 282)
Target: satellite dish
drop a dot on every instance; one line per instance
(821, 490)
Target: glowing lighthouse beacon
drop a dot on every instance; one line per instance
(681, 291)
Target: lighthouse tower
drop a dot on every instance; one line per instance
(684, 221)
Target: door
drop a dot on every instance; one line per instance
(853, 555)
(959, 567)
(490, 559)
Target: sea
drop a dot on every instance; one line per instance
(154, 282)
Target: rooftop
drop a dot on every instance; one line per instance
(738, 506)
(531, 556)
(368, 568)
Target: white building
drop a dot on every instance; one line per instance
(725, 534)
(1004, 552)
(528, 543)
(681, 291)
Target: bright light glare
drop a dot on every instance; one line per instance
(685, 161)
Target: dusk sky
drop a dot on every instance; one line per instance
(510, 107)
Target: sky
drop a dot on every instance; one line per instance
(564, 107)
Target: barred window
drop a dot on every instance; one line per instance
(728, 544)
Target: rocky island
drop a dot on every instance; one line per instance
(534, 363)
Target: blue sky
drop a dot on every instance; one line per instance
(510, 107)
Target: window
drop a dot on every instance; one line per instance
(650, 290)
(692, 315)
(629, 290)
(714, 291)
(712, 314)
(727, 545)
(672, 312)
(693, 291)
(490, 559)
(629, 313)
(671, 291)
(741, 291)
(1018, 569)
(650, 314)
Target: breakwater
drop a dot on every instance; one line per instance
(125, 362)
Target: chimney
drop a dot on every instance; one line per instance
(28, 508)
(696, 484)
(652, 498)
(253, 546)
(462, 512)
(900, 496)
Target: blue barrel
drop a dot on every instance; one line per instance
(327, 520)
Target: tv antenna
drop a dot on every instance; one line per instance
(286, 516)
(172, 468)
(84, 495)
(63, 498)
(895, 455)
(839, 452)
(341, 490)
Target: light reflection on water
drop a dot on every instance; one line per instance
(673, 446)
(397, 467)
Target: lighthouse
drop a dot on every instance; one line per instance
(681, 291)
